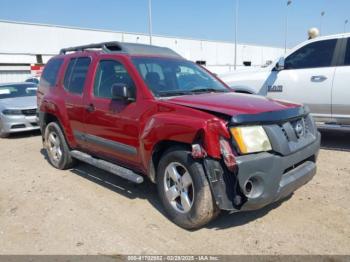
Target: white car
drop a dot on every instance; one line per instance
(315, 73)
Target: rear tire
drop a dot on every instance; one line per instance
(184, 190)
(56, 147)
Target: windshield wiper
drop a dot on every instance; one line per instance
(202, 90)
(188, 92)
(173, 93)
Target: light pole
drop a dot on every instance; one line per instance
(289, 2)
(150, 21)
(345, 23)
(322, 15)
(236, 28)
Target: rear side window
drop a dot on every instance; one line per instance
(316, 54)
(75, 76)
(347, 53)
(50, 73)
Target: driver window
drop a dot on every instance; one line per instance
(110, 72)
(313, 55)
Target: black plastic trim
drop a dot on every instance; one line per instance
(223, 184)
(338, 50)
(341, 51)
(120, 147)
(270, 117)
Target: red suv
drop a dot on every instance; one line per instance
(144, 111)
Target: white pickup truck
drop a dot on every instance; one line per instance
(315, 73)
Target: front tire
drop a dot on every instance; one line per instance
(56, 147)
(2, 133)
(184, 190)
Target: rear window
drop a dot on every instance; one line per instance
(17, 90)
(50, 73)
(74, 79)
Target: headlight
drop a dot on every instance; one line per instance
(251, 139)
(12, 112)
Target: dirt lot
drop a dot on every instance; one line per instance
(88, 211)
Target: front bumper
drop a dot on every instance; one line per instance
(272, 177)
(18, 123)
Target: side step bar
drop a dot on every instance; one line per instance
(107, 166)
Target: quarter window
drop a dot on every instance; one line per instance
(74, 79)
(50, 73)
(110, 72)
(316, 54)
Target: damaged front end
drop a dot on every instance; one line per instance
(250, 176)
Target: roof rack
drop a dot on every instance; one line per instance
(122, 47)
(106, 47)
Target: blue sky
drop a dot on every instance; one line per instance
(260, 21)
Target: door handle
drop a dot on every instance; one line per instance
(318, 78)
(69, 106)
(90, 108)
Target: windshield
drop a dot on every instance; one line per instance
(170, 77)
(17, 90)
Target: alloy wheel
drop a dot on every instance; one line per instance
(179, 189)
(54, 147)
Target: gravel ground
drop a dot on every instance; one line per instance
(88, 211)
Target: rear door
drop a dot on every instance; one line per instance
(307, 78)
(341, 87)
(75, 80)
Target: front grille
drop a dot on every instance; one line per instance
(284, 132)
(29, 112)
(287, 138)
(290, 129)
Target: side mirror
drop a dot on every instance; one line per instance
(121, 91)
(280, 64)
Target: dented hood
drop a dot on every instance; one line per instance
(232, 104)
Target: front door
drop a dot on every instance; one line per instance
(112, 126)
(307, 78)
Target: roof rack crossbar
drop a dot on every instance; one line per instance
(105, 46)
